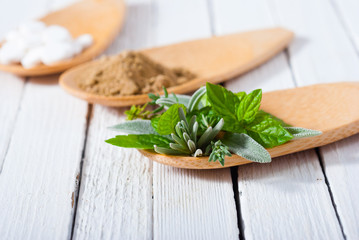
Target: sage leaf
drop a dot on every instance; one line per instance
(267, 131)
(168, 151)
(165, 102)
(195, 99)
(180, 99)
(223, 101)
(246, 147)
(135, 127)
(169, 119)
(249, 106)
(145, 141)
(298, 132)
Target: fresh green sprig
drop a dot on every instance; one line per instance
(217, 152)
(213, 122)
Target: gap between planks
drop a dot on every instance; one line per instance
(320, 159)
(75, 196)
(14, 124)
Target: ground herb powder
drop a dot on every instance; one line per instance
(130, 73)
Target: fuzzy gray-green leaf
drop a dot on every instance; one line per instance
(191, 146)
(195, 99)
(178, 147)
(167, 151)
(244, 146)
(298, 132)
(135, 127)
(178, 140)
(203, 139)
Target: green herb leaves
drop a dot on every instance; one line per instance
(213, 122)
(135, 127)
(169, 119)
(298, 132)
(241, 114)
(249, 106)
(244, 146)
(146, 141)
(268, 131)
(222, 101)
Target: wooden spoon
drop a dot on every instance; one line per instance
(330, 108)
(213, 60)
(102, 19)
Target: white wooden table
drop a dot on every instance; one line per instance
(59, 180)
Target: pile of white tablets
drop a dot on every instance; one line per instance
(33, 43)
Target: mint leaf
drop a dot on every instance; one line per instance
(146, 141)
(204, 100)
(154, 123)
(169, 119)
(223, 102)
(244, 146)
(249, 106)
(275, 118)
(234, 126)
(135, 127)
(267, 131)
(298, 132)
(241, 95)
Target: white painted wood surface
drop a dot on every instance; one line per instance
(347, 12)
(39, 172)
(332, 57)
(276, 194)
(123, 195)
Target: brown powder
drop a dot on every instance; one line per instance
(130, 73)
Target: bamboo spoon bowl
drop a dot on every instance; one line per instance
(330, 108)
(102, 19)
(213, 60)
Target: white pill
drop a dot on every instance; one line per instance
(57, 51)
(31, 27)
(32, 57)
(12, 35)
(77, 47)
(12, 52)
(85, 40)
(55, 33)
(31, 40)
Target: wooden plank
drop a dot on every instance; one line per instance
(347, 11)
(341, 158)
(115, 200)
(321, 52)
(287, 199)
(193, 204)
(329, 56)
(40, 169)
(10, 96)
(189, 204)
(341, 165)
(42, 162)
